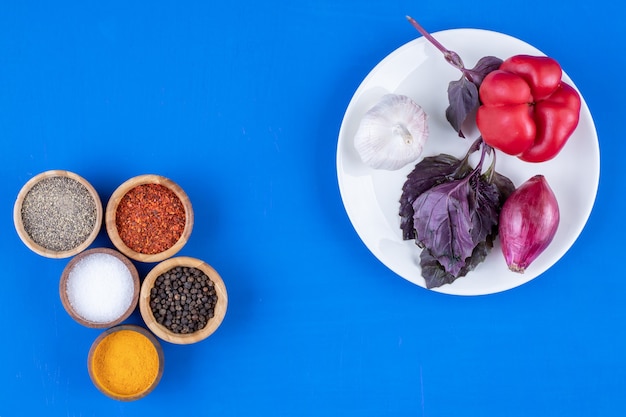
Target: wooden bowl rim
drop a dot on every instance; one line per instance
(155, 342)
(63, 288)
(111, 211)
(19, 224)
(161, 331)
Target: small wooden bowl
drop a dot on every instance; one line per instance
(36, 247)
(111, 217)
(134, 360)
(68, 305)
(163, 332)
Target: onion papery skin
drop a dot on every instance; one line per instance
(528, 223)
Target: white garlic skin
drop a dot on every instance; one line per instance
(392, 134)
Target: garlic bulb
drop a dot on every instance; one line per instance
(392, 133)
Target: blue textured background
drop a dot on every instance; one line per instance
(240, 103)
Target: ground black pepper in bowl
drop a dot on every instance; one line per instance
(57, 214)
(183, 299)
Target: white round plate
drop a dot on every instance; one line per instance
(371, 197)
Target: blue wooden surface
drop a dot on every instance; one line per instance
(241, 103)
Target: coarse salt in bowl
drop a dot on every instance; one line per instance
(57, 214)
(99, 288)
(149, 218)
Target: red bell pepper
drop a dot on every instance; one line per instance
(527, 110)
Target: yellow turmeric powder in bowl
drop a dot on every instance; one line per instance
(126, 362)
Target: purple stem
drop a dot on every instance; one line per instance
(452, 57)
(485, 149)
(492, 168)
(483, 152)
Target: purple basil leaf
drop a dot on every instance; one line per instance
(451, 210)
(452, 219)
(443, 223)
(504, 185)
(484, 66)
(484, 204)
(435, 275)
(463, 100)
(478, 143)
(429, 172)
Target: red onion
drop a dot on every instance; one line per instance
(528, 222)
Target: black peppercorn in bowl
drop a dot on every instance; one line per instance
(149, 218)
(57, 214)
(183, 300)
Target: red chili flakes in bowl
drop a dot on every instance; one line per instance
(150, 218)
